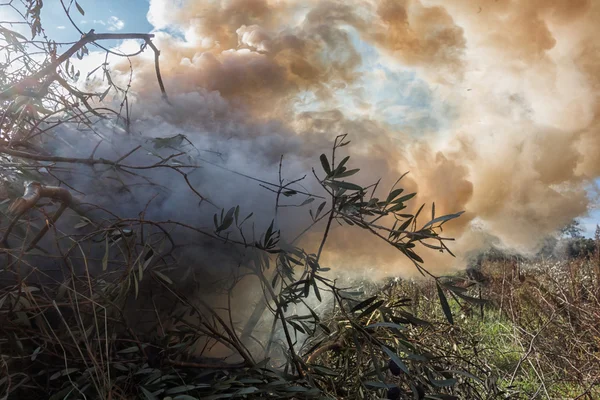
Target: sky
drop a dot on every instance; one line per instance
(103, 16)
(475, 110)
(590, 223)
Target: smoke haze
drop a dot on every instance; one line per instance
(492, 106)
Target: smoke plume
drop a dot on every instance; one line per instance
(493, 107)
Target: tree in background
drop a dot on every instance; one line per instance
(573, 230)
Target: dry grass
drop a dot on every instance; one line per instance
(553, 308)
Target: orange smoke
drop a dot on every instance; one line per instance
(521, 80)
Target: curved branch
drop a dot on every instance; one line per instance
(333, 346)
(49, 71)
(34, 191)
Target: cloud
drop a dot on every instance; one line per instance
(61, 27)
(115, 24)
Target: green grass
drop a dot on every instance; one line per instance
(497, 337)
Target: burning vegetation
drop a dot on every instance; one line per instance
(173, 226)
